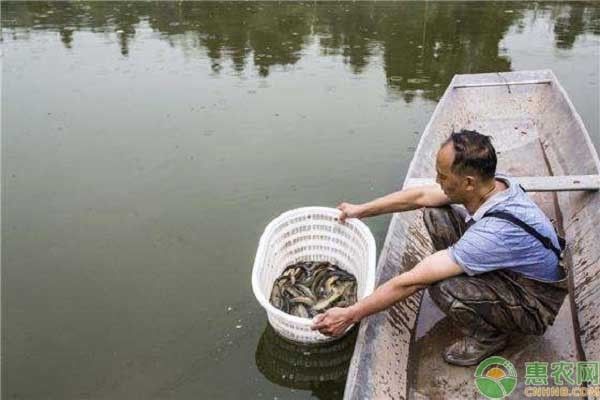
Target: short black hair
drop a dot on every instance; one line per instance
(473, 152)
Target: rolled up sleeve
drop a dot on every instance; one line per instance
(459, 261)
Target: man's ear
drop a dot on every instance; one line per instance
(469, 182)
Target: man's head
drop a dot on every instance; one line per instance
(465, 163)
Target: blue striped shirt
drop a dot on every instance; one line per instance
(492, 243)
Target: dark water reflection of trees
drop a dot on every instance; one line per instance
(422, 44)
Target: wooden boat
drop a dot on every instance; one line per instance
(539, 135)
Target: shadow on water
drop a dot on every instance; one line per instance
(421, 45)
(322, 369)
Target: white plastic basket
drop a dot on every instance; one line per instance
(311, 234)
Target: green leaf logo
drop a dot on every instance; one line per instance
(495, 378)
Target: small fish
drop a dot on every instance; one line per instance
(303, 300)
(306, 291)
(300, 311)
(323, 304)
(275, 298)
(292, 291)
(307, 288)
(330, 282)
(322, 274)
(301, 273)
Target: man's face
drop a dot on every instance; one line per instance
(454, 185)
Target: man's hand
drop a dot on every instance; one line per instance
(349, 210)
(402, 200)
(334, 321)
(431, 269)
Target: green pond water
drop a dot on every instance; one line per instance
(146, 145)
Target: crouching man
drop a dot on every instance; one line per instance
(496, 269)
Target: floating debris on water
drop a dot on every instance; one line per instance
(417, 81)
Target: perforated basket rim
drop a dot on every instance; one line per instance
(261, 251)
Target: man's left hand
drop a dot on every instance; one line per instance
(333, 322)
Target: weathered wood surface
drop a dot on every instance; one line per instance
(538, 183)
(575, 154)
(502, 83)
(381, 355)
(526, 121)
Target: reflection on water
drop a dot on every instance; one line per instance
(572, 21)
(422, 45)
(319, 368)
(146, 145)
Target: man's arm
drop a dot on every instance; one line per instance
(433, 268)
(403, 200)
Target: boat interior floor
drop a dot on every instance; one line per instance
(434, 379)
